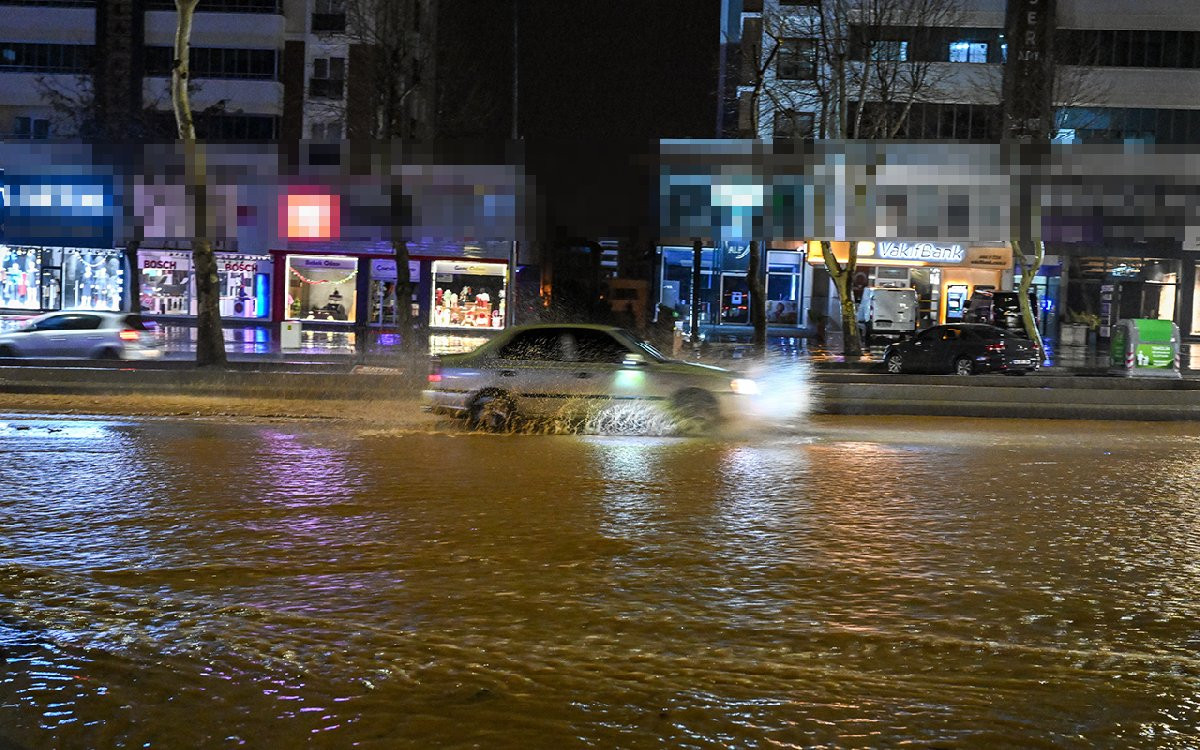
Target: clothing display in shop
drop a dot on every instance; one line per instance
(467, 308)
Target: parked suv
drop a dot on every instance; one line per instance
(82, 334)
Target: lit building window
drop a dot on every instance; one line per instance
(969, 52)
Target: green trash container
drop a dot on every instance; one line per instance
(1142, 347)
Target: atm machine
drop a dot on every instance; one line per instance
(956, 301)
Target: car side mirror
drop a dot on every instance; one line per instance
(633, 359)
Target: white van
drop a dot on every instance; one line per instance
(887, 311)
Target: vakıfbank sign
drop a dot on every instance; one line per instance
(927, 252)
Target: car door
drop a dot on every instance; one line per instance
(42, 338)
(922, 352)
(79, 336)
(950, 345)
(533, 368)
(600, 370)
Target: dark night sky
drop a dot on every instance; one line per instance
(601, 81)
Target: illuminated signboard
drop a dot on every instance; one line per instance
(68, 211)
(310, 216)
(929, 252)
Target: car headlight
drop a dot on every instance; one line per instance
(744, 386)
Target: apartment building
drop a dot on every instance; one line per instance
(263, 69)
(1126, 71)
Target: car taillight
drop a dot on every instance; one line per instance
(994, 348)
(435, 370)
(129, 335)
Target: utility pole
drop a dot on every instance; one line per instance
(697, 255)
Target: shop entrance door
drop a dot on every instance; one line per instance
(735, 299)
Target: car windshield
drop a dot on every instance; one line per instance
(644, 346)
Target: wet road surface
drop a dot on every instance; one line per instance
(861, 583)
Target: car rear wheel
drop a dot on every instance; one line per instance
(8, 352)
(894, 363)
(964, 366)
(695, 409)
(494, 412)
(108, 353)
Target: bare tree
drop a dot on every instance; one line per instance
(210, 340)
(846, 69)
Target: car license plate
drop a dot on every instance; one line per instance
(1021, 361)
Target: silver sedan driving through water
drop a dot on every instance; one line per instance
(573, 371)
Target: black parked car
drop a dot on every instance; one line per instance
(963, 349)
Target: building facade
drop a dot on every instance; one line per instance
(1126, 74)
(264, 70)
(293, 240)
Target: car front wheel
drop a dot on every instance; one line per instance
(894, 363)
(964, 366)
(493, 412)
(8, 352)
(695, 409)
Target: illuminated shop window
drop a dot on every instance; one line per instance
(469, 295)
(321, 287)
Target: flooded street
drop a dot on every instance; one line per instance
(862, 583)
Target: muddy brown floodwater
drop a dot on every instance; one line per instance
(390, 582)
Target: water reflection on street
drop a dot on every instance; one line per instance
(863, 582)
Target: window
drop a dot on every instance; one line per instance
(598, 346)
(222, 6)
(785, 284)
(969, 52)
(889, 50)
(30, 127)
(796, 60)
(19, 57)
(80, 323)
(329, 16)
(792, 124)
(328, 78)
(540, 344)
(327, 131)
(54, 323)
(217, 62)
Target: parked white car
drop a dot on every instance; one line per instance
(85, 334)
(556, 370)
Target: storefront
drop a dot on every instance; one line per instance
(945, 274)
(468, 294)
(37, 279)
(321, 287)
(724, 287)
(382, 291)
(168, 287)
(1102, 289)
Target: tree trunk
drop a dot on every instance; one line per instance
(134, 287)
(1029, 266)
(843, 280)
(758, 300)
(411, 339)
(210, 341)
